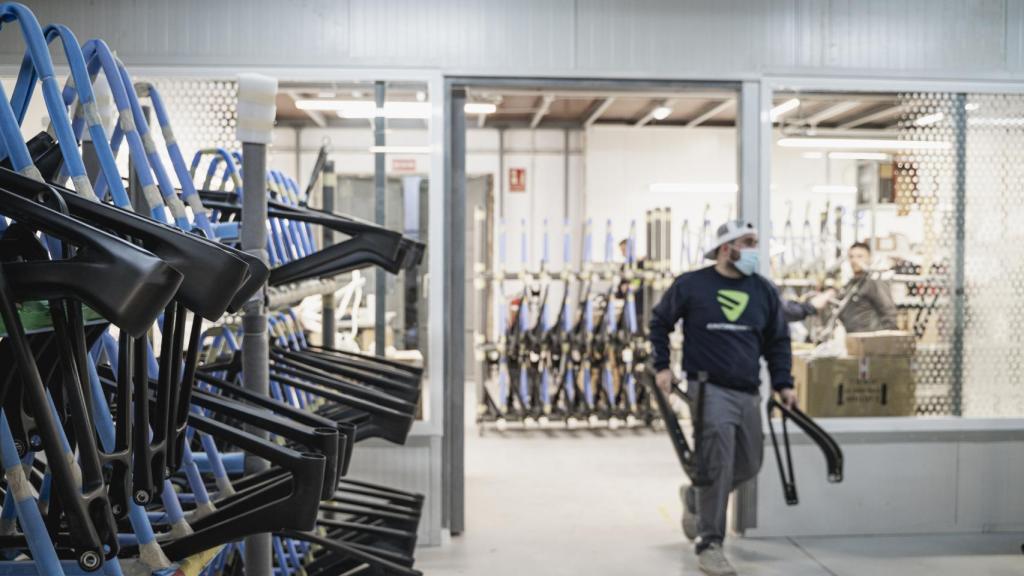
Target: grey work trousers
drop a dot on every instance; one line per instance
(731, 451)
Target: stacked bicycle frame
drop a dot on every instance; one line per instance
(126, 426)
(566, 343)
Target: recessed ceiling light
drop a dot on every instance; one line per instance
(661, 112)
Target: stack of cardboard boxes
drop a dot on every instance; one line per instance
(874, 379)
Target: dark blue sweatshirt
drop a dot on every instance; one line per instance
(728, 325)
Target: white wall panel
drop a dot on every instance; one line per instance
(965, 39)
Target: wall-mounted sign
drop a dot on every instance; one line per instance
(517, 179)
(403, 165)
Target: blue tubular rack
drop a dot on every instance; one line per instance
(186, 496)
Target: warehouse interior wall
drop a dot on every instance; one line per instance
(696, 39)
(607, 164)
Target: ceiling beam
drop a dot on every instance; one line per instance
(831, 112)
(315, 115)
(714, 111)
(600, 109)
(646, 119)
(885, 113)
(545, 105)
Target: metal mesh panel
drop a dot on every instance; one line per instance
(994, 257)
(202, 112)
(924, 184)
(971, 185)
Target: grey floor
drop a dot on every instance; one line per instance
(588, 503)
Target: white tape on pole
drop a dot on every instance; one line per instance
(256, 108)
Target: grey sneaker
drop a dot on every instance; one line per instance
(689, 513)
(712, 561)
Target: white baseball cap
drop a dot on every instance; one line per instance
(731, 230)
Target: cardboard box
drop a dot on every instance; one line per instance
(881, 343)
(846, 386)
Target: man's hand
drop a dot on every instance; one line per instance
(821, 300)
(787, 397)
(664, 379)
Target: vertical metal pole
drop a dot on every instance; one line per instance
(960, 211)
(453, 468)
(565, 173)
(256, 116)
(255, 344)
(330, 325)
(379, 213)
(755, 138)
(501, 172)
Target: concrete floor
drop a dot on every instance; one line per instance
(604, 503)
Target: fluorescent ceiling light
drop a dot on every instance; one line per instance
(367, 109)
(480, 108)
(861, 144)
(661, 112)
(787, 106)
(971, 106)
(400, 149)
(813, 155)
(833, 189)
(858, 156)
(683, 187)
(929, 119)
(325, 95)
(421, 96)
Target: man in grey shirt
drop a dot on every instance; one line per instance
(867, 304)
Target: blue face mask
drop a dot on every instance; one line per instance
(748, 262)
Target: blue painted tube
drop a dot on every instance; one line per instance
(98, 56)
(86, 99)
(39, 52)
(524, 389)
(307, 231)
(609, 242)
(11, 134)
(631, 243)
(43, 554)
(298, 333)
(230, 462)
(195, 481)
(570, 387)
(503, 380)
(588, 242)
(588, 388)
(282, 560)
(171, 504)
(293, 554)
(547, 255)
(155, 163)
(188, 189)
(216, 463)
(631, 320)
(220, 155)
(46, 489)
(631, 390)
